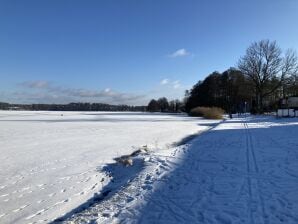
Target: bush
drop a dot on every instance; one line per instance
(207, 112)
(198, 111)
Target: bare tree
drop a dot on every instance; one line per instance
(266, 66)
(290, 71)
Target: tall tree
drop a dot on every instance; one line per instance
(163, 104)
(153, 106)
(267, 68)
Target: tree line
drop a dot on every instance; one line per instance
(163, 105)
(228, 90)
(72, 107)
(160, 105)
(264, 75)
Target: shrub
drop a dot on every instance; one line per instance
(207, 112)
(214, 113)
(198, 111)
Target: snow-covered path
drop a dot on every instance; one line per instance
(238, 173)
(244, 170)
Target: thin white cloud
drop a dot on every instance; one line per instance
(45, 92)
(164, 82)
(176, 84)
(49, 92)
(39, 84)
(179, 53)
(171, 84)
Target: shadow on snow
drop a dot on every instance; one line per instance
(120, 176)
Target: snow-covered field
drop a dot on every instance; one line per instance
(51, 164)
(242, 170)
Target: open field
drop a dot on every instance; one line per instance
(49, 163)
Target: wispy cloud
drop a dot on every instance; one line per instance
(179, 53)
(38, 84)
(41, 91)
(176, 84)
(164, 81)
(173, 84)
(46, 92)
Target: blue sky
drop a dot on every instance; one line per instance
(128, 51)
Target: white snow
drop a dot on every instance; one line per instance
(51, 162)
(244, 170)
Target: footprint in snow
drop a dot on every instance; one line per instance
(93, 187)
(25, 188)
(147, 187)
(157, 171)
(80, 193)
(148, 182)
(89, 178)
(20, 208)
(130, 199)
(51, 195)
(36, 214)
(65, 178)
(62, 202)
(3, 195)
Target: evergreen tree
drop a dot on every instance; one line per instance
(153, 106)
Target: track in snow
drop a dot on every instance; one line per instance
(253, 170)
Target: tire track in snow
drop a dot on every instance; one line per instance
(251, 150)
(264, 216)
(248, 175)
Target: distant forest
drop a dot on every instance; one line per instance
(72, 107)
(160, 105)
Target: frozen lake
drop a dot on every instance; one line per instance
(49, 162)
